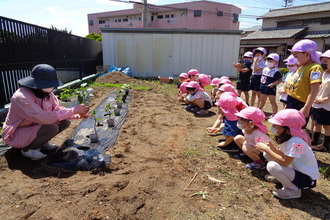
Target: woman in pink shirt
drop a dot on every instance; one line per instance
(35, 115)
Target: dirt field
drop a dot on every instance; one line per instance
(162, 168)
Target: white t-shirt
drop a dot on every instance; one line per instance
(304, 159)
(199, 95)
(324, 91)
(255, 137)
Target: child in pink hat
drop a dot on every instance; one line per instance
(227, 106)
(223, 80)
(270, 78)
(182, 94)
(302, 86)
(228, 88)
(293, 163)
(292, 65)
(321, 109)
(193, 75)
(257, 66)
(240, 104)
(244, 73)
(183, 77)
(215, 88)
(250, 121)
(197, 99)
(182, 89)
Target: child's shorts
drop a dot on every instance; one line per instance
(321, 116)
(303, 181)
(296, 104)
(255, 83)
(207, 105)
(266, 90)
(243, 86)
(230, 128)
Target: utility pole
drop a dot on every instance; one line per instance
(144, 14)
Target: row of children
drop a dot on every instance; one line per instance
(292, 163)
(306, 85)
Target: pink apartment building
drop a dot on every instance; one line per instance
(204, 15)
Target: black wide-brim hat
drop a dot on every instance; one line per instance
(42, 76)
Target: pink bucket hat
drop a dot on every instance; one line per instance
(183, 87)
(273, 56)
(248, 54)
(193, 72)
(228, 88)
(215, 81)
(204, 79)
(225, 81)
(293, 119)
(261, 49)
(290, 60)
(184, 75)
(255, 115)
(194, 84)
(307, 46)
(227, 102)
(224, 77)
(326, 54)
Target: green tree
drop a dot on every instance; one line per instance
(93, 36)
(57, 29)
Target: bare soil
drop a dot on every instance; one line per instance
(164, 166)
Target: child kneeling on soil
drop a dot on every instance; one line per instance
(250, 121)
(227, 105)
(218, 124)
(182, 94)
(293, 163)
(197, 99)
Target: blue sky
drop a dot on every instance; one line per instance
(72, 14)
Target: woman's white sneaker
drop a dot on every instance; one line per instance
(33, 154)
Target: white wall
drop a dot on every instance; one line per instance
(169, 54)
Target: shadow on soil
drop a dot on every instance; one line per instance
(35, 169)
(210, 114)
(314, 203)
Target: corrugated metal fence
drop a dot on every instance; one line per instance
(23, 45)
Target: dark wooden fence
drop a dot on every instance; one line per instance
(24, 45)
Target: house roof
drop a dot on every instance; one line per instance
(317, 34)
(296, 10)
(276, 33)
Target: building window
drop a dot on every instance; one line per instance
(152, 18)
(139, 18)
(235, 18)
(125, 19)
(325, 21)
(119, 20)
(167, 16)
(160, 16)
(197, 13)
(91, 22)
(172, 15)
(220, 13)
(281, 24)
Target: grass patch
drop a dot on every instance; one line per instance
(110, 85)
(140, 87)
(191, 151)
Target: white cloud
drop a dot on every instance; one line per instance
(56, 10)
